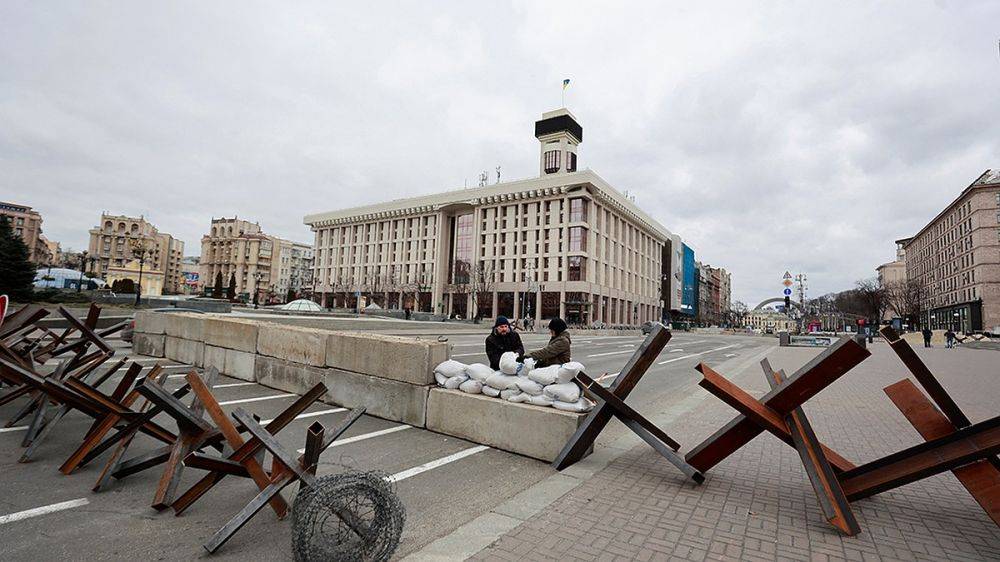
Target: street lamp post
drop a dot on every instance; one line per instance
(256, 288)
(139, 247)
(83, 266)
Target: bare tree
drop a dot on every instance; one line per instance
(737, 313)
(906, 299)
(871, 296)
(483, 280)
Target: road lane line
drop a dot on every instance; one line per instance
(15, 428)
(310, 415)
(234, 384)
(258, 399)
(607, 376)
(364, 436)
(434, 464)
(610, 353)
(696, 354)
(468, 354)
(678, 350)
(29, 513)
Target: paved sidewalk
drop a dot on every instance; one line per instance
(758, 504)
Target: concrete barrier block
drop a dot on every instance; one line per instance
(534, 431)
(185, 351)
(391, 357)
(241, 365)
(215, 357)
(148, 344)
(149, 322)
(286, 375)
(189, 326)
(291, 343)
(384, 398)
(231, 333)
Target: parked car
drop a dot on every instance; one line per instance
(130, 328)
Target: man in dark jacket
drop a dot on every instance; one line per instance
(926, 332)
(557, 351)
(502, 339)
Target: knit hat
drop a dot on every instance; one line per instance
(500, 321)
(557, 325)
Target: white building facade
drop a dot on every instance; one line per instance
(564, 244)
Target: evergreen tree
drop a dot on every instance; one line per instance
(231, 290)
(217, 290)
(17, 273)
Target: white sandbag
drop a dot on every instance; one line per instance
(581, 405)
(450, 368)
(441, 379)
(455, 382)
(540, 400)
(490, 391)
(471, 386)
(545, 375)
(478, 371)
(506, 394)
(529, 387)
(569, 370)
(563, 392)
(509, 364)
(518, 398)
(500, 381)
(527, 366)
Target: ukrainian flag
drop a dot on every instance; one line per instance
(565, 84)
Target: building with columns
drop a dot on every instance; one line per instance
(563, 244)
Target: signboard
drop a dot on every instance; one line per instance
(787, 275)
(787, 283)
(788, 292)
(190, 278)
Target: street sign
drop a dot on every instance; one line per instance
(787, 275)
(788, 291)
(787, 282)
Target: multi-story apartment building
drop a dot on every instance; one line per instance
(27, 223)
(956, 258)
(894, 272)
(118, 240)
(295, 269)
(238, 248)
(563, 244)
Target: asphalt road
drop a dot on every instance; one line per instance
(443, 482)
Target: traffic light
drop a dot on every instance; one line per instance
(788, 302)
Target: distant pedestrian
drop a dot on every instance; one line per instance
(949, 339)
(407, 311)
(927, 336)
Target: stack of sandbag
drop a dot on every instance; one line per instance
(518, 382)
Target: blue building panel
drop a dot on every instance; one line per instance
(689, 286)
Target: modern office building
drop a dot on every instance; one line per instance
(689, 283)
(565, 244)
(119, 240)
(27, 223)
(956, 258)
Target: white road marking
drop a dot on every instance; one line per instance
(234, 384)
(730, 355)
(29, 513)
(434, 464)
(468, 354)
(678, 350)
(15, 428)
(364, 436)
(258, 399)
(610, 353)
(628, 345)
(697, 354)
(607, 376)
(310, 415)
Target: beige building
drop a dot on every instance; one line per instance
(236, 247)
(295, 266)
(770, 321)
(119, 239)
(956, 257)
(27, 223)
(895, 271)
(150, 281)
(563, 244)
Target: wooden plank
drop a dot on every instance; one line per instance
(805, 383)
(964, 446)
(832, 500)
(981, 479)
(598, 418)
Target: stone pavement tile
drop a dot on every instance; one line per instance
(758, 504)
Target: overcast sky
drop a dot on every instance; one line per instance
(770, 136)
